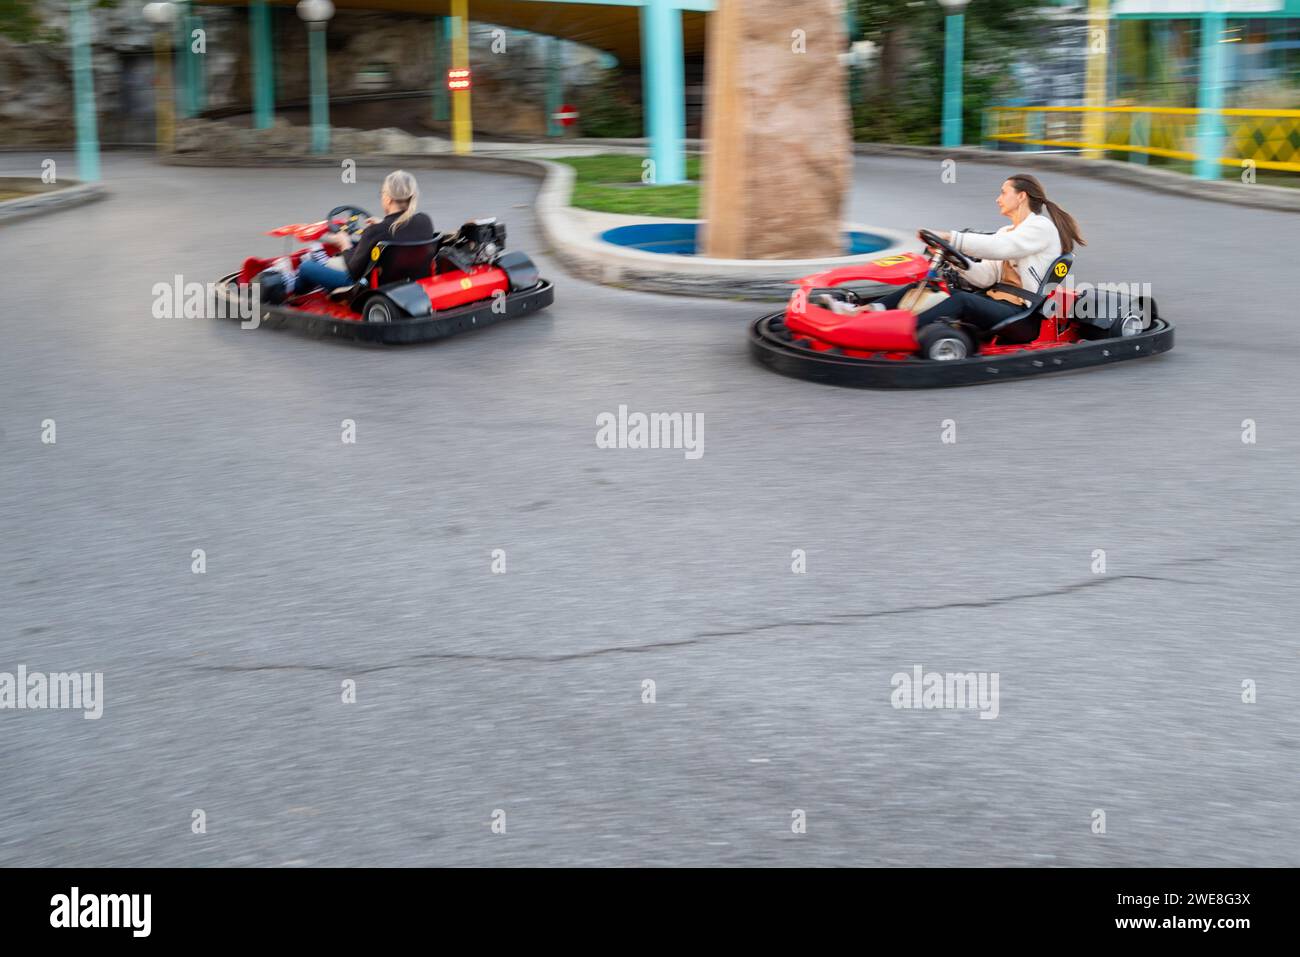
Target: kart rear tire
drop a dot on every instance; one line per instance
(941, 342)
(1130, 324)
(380, 309)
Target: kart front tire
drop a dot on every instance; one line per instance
(942, 342)
(380, 309)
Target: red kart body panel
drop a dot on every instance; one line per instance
(891, 333)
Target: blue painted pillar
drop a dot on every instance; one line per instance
(663, 70)
(83, 86)
(263, 57)
(953, 36)
(1209, 96)
(320, 96)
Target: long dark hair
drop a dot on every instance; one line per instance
(1065, 223)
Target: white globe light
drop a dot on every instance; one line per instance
(953, 6)
(160, 14)
(315, 11)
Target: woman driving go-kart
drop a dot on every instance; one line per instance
(400, 195)
(1014, 260)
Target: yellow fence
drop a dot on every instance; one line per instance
(1268, 138)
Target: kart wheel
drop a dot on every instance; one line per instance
(380, 309)
(1131, 324)
(942, 342)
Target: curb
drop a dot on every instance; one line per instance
(585, 257)
(1275, 198)
(50, 201)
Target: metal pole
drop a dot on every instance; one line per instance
(1209, 97)
(83, 85)
(953, 35)
(320, 98)
(259, 17)
(663, 69)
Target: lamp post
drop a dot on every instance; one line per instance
(953, 33)
(162, 16)
(316, 14)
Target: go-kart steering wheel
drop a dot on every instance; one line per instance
(949, 254)
(354, 224)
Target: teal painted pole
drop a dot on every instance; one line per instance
(953, 35)
(663, 72)
(320, 97)
(554, 85)
(441, 64)
(259, 17)
(197, 62)
(83, 87)
(1209, 96)
(182, 64)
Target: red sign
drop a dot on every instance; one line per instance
(566, 115)
(458, 79)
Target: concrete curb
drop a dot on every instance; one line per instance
(1277, 198)
(41, 202)
(586, 257)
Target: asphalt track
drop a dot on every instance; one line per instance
(522, 692)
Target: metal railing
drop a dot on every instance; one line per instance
(1270, 139)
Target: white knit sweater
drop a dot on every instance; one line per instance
(1030, 248)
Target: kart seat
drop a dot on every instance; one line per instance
(401, 261)
(1024, 326)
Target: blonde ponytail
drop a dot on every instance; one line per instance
(401, 187)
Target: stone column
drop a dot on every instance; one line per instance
(777, 127)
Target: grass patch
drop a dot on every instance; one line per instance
(596, 187)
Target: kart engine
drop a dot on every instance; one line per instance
(483, 239)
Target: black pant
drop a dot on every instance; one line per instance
(973, 307)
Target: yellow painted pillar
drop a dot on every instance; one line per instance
(164, 102)
(1094, 89)
(462, 129)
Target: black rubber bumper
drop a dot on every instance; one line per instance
(780, 355)
(448, 322)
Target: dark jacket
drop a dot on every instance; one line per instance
(417, 229)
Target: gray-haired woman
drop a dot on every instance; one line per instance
(400, 196)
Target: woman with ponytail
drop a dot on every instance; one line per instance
(1016, 257)
(400, 196)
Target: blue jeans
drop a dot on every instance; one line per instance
(312, 274)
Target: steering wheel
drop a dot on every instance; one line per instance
(949, 254)
(354, 222)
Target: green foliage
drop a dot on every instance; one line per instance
(19, 20)
(597, 187)
(607, 110)
(902, 94)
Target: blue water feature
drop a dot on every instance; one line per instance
(678, 239)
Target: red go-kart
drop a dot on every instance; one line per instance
(831, 333)
(410, 292)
